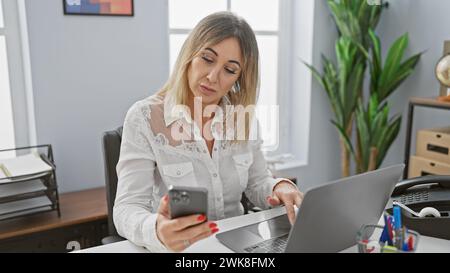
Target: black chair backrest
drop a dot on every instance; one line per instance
(111, 151)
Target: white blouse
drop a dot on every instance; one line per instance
(151, 160)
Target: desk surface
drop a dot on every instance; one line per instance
(211, 244)
(76, 208)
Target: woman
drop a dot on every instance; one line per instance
(168, 139)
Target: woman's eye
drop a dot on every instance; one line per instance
(230, 71)
(207, 59)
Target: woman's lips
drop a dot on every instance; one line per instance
(207, 91)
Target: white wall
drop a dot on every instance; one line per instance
(427, 23)
(87, 72)
(322, 150)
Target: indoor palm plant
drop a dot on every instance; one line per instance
(357, 48)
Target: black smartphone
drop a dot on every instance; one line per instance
(185, 201)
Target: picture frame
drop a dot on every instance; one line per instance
(99, 7)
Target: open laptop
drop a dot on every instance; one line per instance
(327, 220)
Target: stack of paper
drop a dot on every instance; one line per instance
(24, 206)
(23, 165)
(21, 188)
(26, 212)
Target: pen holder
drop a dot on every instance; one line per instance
(368, 240)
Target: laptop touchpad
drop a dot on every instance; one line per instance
(272, 228)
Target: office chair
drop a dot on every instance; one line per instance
(111, 150)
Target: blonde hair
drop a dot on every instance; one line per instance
(210, 31)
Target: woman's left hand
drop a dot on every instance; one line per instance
(287, 194)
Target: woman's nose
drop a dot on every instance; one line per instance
(213, 75)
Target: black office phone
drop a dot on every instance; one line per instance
(426, 191)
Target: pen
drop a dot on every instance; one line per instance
(398, 228)
(410, 243)
(390, 233)
(384, 235)
(405, 247)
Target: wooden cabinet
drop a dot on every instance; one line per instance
(413, 103)
(83, 222)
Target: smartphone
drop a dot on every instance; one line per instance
(185, 201)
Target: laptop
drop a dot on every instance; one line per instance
(327, 220)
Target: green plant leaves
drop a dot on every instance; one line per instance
(389, 137)
(344, 137)
(376, 63)
(393, 62)
(386, 79)
(357, 48)
(375, 130)
(354, 18)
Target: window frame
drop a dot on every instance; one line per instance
(19, 67)
(4, 34)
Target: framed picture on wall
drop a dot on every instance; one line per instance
(99, 7)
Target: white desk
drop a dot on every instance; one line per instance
(211, 244)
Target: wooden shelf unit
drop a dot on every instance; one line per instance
(83, 219)
(418, 102)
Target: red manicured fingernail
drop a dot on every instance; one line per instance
(166, 197)
(201, 218)
(212, 225)
(215, 230)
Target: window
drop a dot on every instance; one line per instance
(266, 21)
(6, 114)
(17, 127)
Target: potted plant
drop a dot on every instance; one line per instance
(357, 48)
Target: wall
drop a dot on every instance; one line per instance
(426, 22)
(87, 71)
(79, 57)
(322, 151)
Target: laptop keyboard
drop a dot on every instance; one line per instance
(274, 245)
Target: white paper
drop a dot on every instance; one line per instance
(21, 213)
(24, 205)
(21, 188)
(25, 165)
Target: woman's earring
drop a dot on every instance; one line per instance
(236, 88)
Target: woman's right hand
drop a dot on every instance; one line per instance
(178, 234)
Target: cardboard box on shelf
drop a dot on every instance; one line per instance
(434, 144)
(420, 166)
